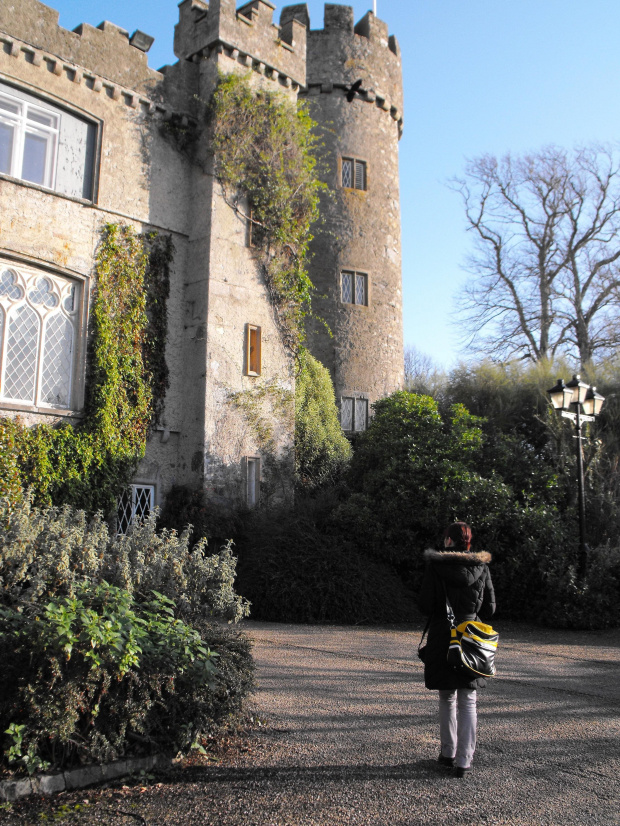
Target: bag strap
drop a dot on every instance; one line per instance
(425, 632)
(449, 611)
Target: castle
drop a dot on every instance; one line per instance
(81, 146)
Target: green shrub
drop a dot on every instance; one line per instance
(294, 568)
(321, 448)
(45, 552)
(95, 675)
(590, 603)
(110, 642)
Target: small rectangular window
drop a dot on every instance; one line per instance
(353, 414)
(253, 350)
(252, 481)
(134, 505)
(346, 413)
(354, 174)
(354, 287)
(361, 415)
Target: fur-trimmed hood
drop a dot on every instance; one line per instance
(457, 557)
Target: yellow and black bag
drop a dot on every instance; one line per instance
(472, 648)
(472, 645)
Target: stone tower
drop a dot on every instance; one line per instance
(354, 87)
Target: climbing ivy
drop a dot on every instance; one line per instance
(89, 464)
(265, 149)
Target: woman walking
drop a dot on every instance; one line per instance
(465, 579)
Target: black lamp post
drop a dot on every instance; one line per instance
(580, 403)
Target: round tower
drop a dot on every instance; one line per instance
(354, 87)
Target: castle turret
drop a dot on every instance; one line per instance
(354, 87)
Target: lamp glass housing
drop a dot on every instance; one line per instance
(593, 402)
(579, 389)
(558, 394)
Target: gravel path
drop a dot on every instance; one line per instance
(350, 738)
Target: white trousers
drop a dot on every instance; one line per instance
(457, 725)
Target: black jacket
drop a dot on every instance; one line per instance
(469, 588)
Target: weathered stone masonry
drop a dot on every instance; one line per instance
(96, 79)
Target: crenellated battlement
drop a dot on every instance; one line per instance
(106, 50)
(248, 34)
(343, 52)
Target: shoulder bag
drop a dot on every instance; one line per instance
(472, 645)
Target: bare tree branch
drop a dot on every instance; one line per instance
(546, 262)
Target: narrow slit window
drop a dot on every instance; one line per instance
(253, 350)
(354, 174)
(252, 481)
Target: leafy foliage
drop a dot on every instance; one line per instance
(89, 464)
(296, 566)
(111, 640)
(265, 149)
(321, 448)
(46, 553)
(92, 673)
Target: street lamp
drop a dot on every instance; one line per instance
(580, 403)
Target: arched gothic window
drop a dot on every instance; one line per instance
(39, 331)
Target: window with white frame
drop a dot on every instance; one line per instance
(353, 414)
(39, 336)
(46, 145)
(252, 480)
(134, 505)
(354, 174)
(354, 287)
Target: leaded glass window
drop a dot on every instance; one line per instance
(347, 172)
(39, 327)
(361, 415)
(134, 505)
(353, 414)
(347, 287)
(354, 174)
(354, 287)
(346, 413)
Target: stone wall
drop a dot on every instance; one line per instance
(361, 229)
(144, 177)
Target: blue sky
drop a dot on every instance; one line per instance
(480, 76)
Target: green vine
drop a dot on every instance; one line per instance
(90, 463)
(261, 406)
(265, 149)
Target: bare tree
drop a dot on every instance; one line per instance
(421, 373)
(546, 273)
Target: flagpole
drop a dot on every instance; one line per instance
(374, 7)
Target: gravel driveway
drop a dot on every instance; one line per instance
(350, 738)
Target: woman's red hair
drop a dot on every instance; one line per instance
(460, 534)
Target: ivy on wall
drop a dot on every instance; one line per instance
(90, 463)
(265, 149)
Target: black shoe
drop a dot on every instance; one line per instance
(461, 772)
(448, 762)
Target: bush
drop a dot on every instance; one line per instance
(92, 676)
(591, 603)
(295, 568)
(186, 508)
(45, 552)
(321, 448)
(108, 639)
